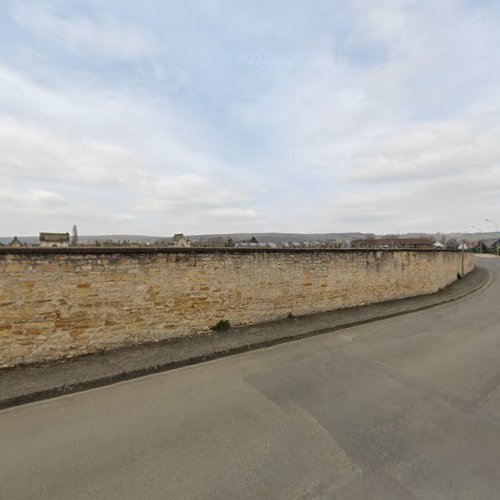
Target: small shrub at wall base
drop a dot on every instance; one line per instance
(222, 326)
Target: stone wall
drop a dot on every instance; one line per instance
(65, 302)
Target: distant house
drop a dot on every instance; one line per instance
(180, 241)
(487, 245)
(15, 242)
(361, 243)
(246, 244)
(54, 240)
(390, 243)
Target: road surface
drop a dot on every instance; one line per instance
(403, 408)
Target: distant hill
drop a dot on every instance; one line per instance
(122, 237)
(261, 237)
(92, 238)
(277, 237)
(30, 240)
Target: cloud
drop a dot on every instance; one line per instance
(100, 36)
(364, 209)
(233, 213)
(29, 209)
(39, 198)
(31, 151)
(460, 199)
(430, 151)
(112, 154)
(386, 117)
(190, 193)
(126, 217)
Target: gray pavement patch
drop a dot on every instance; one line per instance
(28, 383)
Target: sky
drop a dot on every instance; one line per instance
(217, 116)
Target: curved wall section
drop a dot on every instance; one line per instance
(58, 303)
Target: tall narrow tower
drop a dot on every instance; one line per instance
(74, 236)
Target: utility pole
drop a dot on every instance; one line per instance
(462, 246)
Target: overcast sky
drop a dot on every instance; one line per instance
(202, 116)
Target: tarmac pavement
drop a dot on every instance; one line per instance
(405, 407)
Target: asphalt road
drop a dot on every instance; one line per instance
(403, 408)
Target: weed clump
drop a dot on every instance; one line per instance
(222, 326)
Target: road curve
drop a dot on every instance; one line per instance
(407, 407)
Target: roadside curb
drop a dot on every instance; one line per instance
(12, 392)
